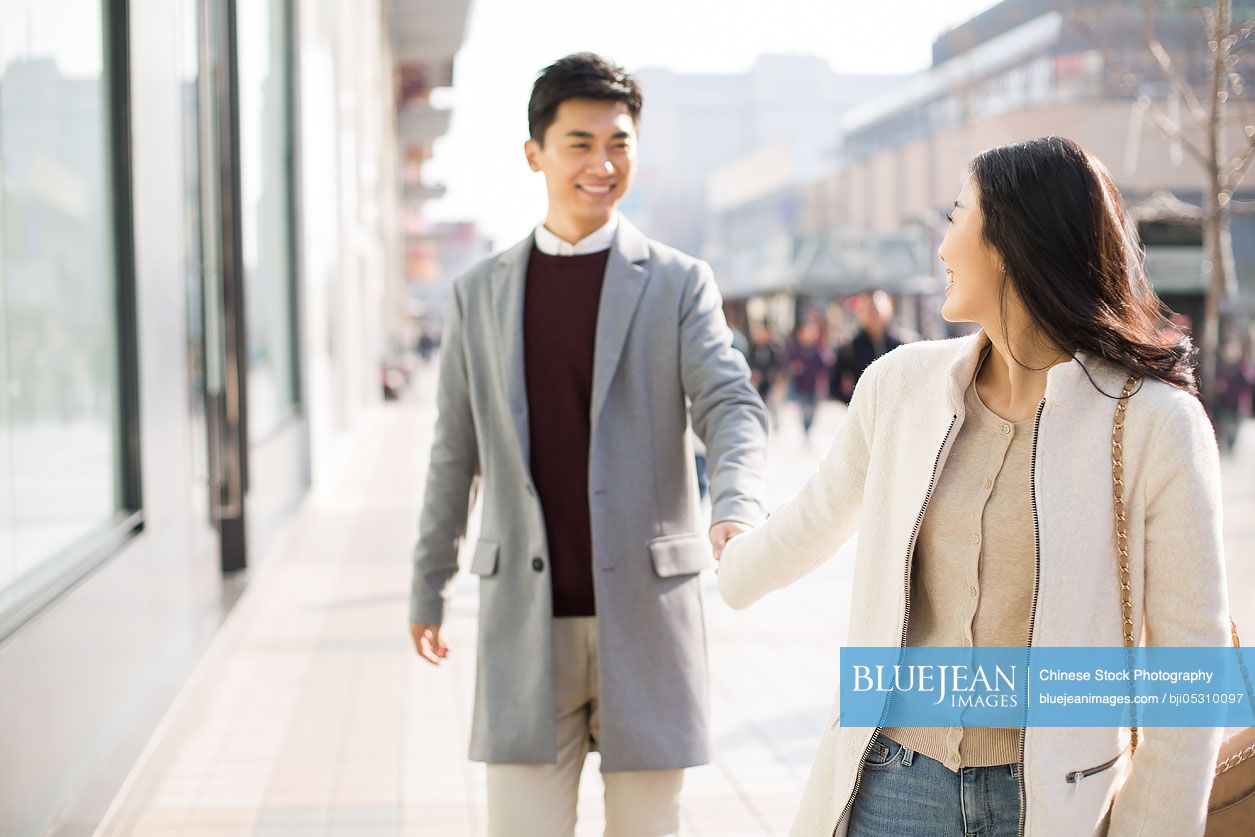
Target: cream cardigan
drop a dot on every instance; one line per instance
(877, 478)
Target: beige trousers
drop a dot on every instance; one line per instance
(539, 800)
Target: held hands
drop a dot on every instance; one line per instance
(723, 532)
(428, 644)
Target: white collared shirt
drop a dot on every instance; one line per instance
(596, 241)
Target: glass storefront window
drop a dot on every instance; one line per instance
(265, 212)
(60, 468)
(196, 261)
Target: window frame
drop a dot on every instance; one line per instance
(69, 567)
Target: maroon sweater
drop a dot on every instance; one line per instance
(560, 304)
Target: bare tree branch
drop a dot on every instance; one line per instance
(1178, 81)
(1238, 167)
(1237, 86)
(1242, 44)
(1209, 21)
(1239, 99)
(1080, 19)
(1130, 84)
(1174, 130)
(1242, 112)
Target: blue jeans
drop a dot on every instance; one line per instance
(808, 402)
(908, 793)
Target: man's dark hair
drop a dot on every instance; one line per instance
(583, 75)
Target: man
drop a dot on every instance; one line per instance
(566, 364)
(875, 337)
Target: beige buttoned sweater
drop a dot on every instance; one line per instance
(972, 572)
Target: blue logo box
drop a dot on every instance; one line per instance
(1045, 686)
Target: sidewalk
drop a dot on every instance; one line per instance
(310, 713)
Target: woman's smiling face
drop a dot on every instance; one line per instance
(974, 273)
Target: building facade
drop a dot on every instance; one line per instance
(200, 206)
(1022, 69)
(692, 125)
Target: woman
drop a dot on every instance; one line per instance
(978, 472)
(808, 363)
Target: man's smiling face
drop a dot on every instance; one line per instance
(588, 159)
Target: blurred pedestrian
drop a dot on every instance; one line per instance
(979, 475)
(428, 342)
(1233, 391)
(766, 357)
(808, 363)
(875, 337)
(567, 363)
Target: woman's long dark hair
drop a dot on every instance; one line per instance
(1053, 213)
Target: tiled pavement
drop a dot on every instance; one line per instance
(310, 713)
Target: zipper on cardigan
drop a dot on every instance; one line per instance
(1032, 613)
(906, 615)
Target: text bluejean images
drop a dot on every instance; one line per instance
(1044, 686)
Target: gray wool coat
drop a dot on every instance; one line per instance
(662, 356)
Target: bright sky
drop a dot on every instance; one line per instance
(480, 159)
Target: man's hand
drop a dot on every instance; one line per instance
(428, 644)
(723, 532)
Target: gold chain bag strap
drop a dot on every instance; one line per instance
(1231, 806)
(1122, 542)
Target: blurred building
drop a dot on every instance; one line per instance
(765, 234)
(694, 124)
(201, 272)
(1022, 69)
(435, 254)
(432, 252)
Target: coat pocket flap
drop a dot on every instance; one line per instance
(679, 554)
(484, 561)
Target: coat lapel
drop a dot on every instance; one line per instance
(626, 274)
(508, 282)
